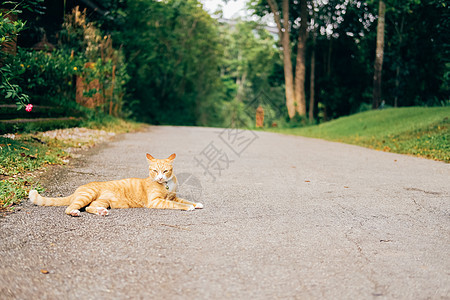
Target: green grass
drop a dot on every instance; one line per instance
(419, 131)
(22, 156)
(18, 159)
(13, 189)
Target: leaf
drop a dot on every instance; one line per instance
(43, 271)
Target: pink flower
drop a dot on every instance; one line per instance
(29, 107)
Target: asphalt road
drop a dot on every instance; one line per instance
(285, 217)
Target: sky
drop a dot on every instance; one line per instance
(234, 8)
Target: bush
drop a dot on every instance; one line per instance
(47, 77)
(38, 126)
(9, 29)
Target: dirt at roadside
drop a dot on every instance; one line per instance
(83, 137)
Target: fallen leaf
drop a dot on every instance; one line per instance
(307, 181)
(43, 271)
(346, 187)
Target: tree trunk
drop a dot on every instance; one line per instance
(300, 69)
(312, 79)
(240, 82)
(283, 33)
(378, 65)
(399, 31)
(288, 76)
(397, 85)
(330, 51)
(328, 76)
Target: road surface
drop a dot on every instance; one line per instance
(285, 217)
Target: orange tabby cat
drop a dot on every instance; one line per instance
(156, 191)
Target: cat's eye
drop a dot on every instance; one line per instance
(165, 171)
(155, 171)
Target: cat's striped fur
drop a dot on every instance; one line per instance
(151, 192)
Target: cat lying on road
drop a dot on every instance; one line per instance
(156, 191)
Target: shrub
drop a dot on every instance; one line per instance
(9, 29)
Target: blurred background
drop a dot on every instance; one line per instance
(213, 63)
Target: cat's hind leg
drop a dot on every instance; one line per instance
(98, 207)
(81, 198)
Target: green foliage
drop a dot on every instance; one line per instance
(48, 79)
(249, 62)
(415, 69)
(417, 52)
(9, 89)
(174, 64)
(33, 6)
(9, 29)
(19, 156)
(417, 131)
(173, 54)
(13, 190)
(111, 124)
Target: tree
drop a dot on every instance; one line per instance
(249, 57)
(312, 78)
(300, 68)
(415, 55)
(283, 33)
(10, 26)
(294, 86)
(173, 53)
(378, 65)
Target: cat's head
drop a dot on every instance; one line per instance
(161, 170)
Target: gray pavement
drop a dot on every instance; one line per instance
(285, 218)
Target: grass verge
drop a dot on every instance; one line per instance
(22, 155)
(418, 131)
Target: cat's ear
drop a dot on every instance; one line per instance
(172, 157)
(150, 158)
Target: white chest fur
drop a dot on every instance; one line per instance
(171, 185)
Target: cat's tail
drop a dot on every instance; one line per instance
(37, 199)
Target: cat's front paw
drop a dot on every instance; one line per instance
(101, 211)
(198, 205)
(190, 207)
(75, 213)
